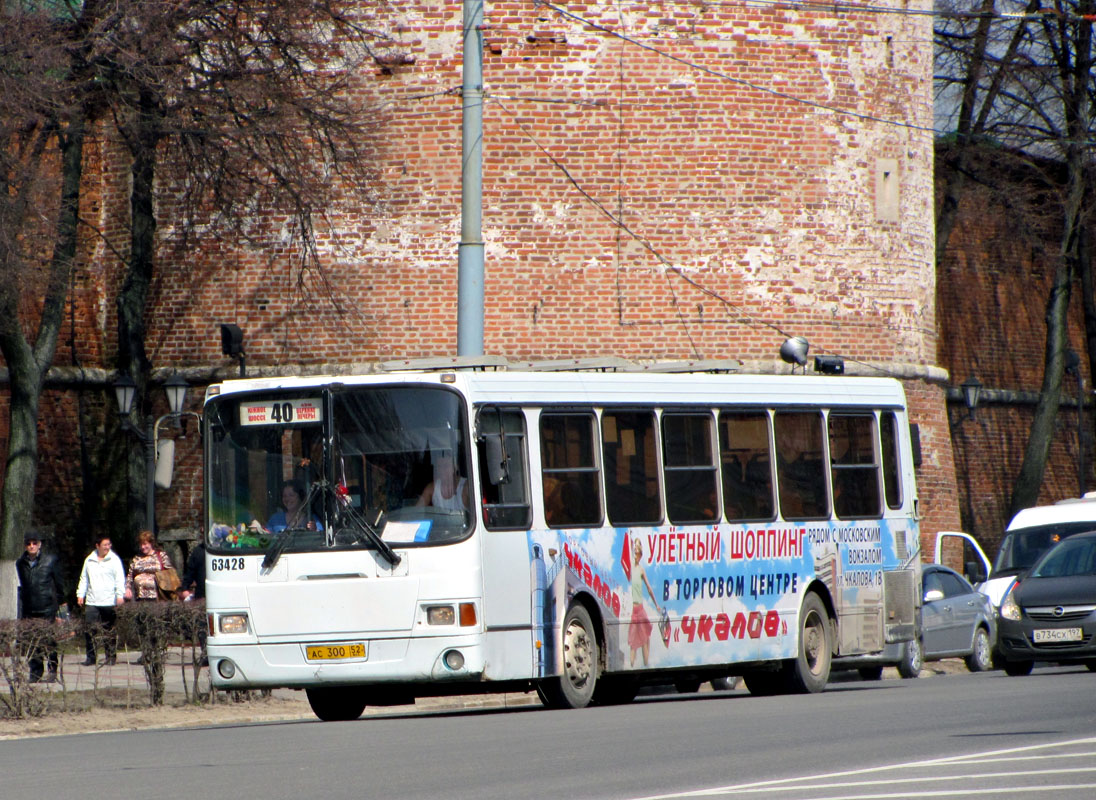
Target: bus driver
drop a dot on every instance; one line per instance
(448, 491)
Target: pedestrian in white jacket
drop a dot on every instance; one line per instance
(101, 590)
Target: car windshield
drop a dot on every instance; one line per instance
(308, 469)
(1021, 548)
(1070, 558)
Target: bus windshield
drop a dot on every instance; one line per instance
(303, 469)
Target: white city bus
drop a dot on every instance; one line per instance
(426, 531)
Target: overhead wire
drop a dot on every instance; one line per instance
(626, 229)
(729, 78)
(617, 219)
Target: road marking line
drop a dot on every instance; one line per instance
(951, 792)
(869, 770)
(894, 781)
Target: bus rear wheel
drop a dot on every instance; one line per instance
(810, 670)
(764, 683)
(336, 704)
(615, 691)
(575, 687)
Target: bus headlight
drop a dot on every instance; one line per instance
(232, 623)
(440, 615)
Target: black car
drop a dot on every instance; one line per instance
(1049, 614)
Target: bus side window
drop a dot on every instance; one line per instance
(892, 484)
(745, 465)
(569, 470)
(631, 467)
(854, 471)
(689, 467)
(800, 471)
(506, 505)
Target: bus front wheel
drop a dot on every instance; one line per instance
(336, 704)
(811, 667)
(575, 687)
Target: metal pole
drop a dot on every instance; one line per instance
(150, 476)
(1081, 431)
(470, 251)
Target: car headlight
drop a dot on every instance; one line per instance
(1010, 609)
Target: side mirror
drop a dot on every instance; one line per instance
(498, 464)
(974, 572)
(932, 595)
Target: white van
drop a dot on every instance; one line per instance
(1030, 533)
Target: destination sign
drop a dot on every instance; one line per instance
(281, 412)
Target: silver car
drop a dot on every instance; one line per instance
(956, 621)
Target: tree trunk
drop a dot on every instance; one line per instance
(27, 366)
(133, 297)
(1077, 115)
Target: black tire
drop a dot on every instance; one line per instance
(913, 658)
(810, 670)
(765, 684)
(1018, 669)
(614, 691)
(687, 687)
(873, 673)
(575, 687)
(336, 704)
(727, 684)
(1091, 664)
(981, 655)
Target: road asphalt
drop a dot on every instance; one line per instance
(128, 675)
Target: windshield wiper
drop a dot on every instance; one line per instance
(369, 531)
(362, 527)
(277, 547)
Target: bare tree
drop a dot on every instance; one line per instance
(1039, 86)
(238, 104)
(43, 121)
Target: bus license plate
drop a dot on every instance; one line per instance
(1057, 635)
(335, 652)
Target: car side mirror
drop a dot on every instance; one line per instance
(932, 595)
(974, 572)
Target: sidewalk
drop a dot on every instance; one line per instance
(73, 676)
(127, 678)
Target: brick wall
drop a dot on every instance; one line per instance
(992, 290)
(702, 184)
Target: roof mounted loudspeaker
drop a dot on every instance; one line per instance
(794, 350)
(829, 365)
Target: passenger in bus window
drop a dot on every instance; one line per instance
(293, 513)
(448, 490)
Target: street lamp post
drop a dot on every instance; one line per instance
(125, 390)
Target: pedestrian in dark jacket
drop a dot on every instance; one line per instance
(41, 590)
(193, 588)
(194, 574)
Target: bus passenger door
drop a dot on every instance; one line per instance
(509, 570)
